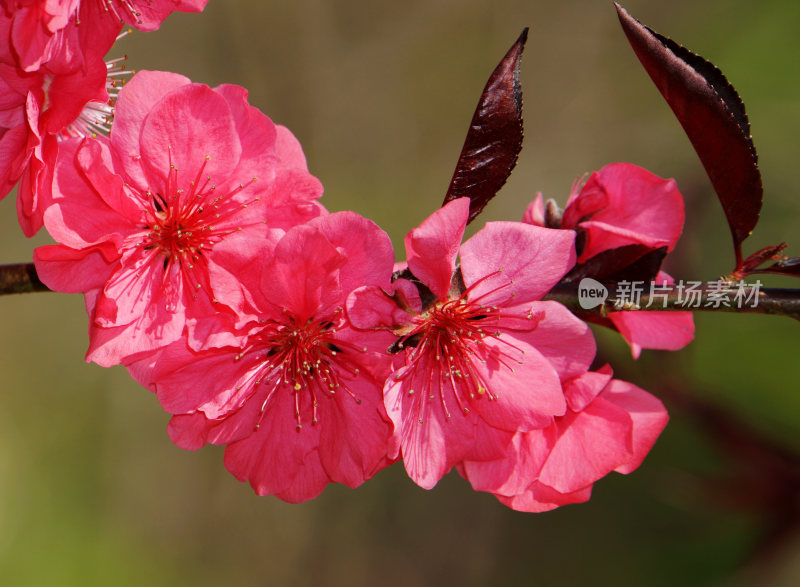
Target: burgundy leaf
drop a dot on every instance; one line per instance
(628, 263)
(761, 256)
(713, 117)
(786, 267)
(494, 139)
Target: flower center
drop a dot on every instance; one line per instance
(177, 230)
(446, 350)
(305, 359)
(183, 225)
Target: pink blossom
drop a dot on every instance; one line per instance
(138, 215)
(623, 204)
(478, 356)
(610, 425)
(42, 107)
(58, 33)
(297, 395)
(620, 205)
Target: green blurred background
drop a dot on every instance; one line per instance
(380, 94)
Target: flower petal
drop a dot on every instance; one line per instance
(136, 98)
(190, 130)
(432, 247)
(514, 259)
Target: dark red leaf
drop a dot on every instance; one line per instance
(713, 117)
(786, 267)
(628, 263)
(494, 139)
(761, 256)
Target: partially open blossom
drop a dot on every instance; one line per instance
(297, 394)
(137, 215)
(610, 425)
(621, 205)
(478, 358)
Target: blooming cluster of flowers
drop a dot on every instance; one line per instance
(264, 323)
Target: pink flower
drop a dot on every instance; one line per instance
(54, 83)
(297, 396)
(54, 33)
(57, 33)
(37, 110)
(479, 357)
(138, 215)
(610, 425)
(622, 205)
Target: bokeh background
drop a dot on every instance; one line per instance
(380, 94)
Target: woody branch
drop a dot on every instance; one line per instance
(622, 297)
(712, 296)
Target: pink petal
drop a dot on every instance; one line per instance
(231, 266)
(527, 397)
(288, 149)
(424, 445)
(432, 247)
(668, 331)
(591, 444)
(372, 308)
(639, 205)
(355, 436)
(518, 468)
(514, 259)
(303, 274)
(116, 345)
(541, 498)
(566, 341)
(209, 382)
(12, 151)
(274, 455)
(602, 236)
(309, 482)
(150, 13)
(370, 257)
(87, 210)
(581, 390)
(192, 129)
(432, 443)
(136, 98)
(68, 94)
(71, 271)
(534, 213)
(187, 431)
(647, 413)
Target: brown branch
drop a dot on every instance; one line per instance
(706, 297)
(20, 278)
